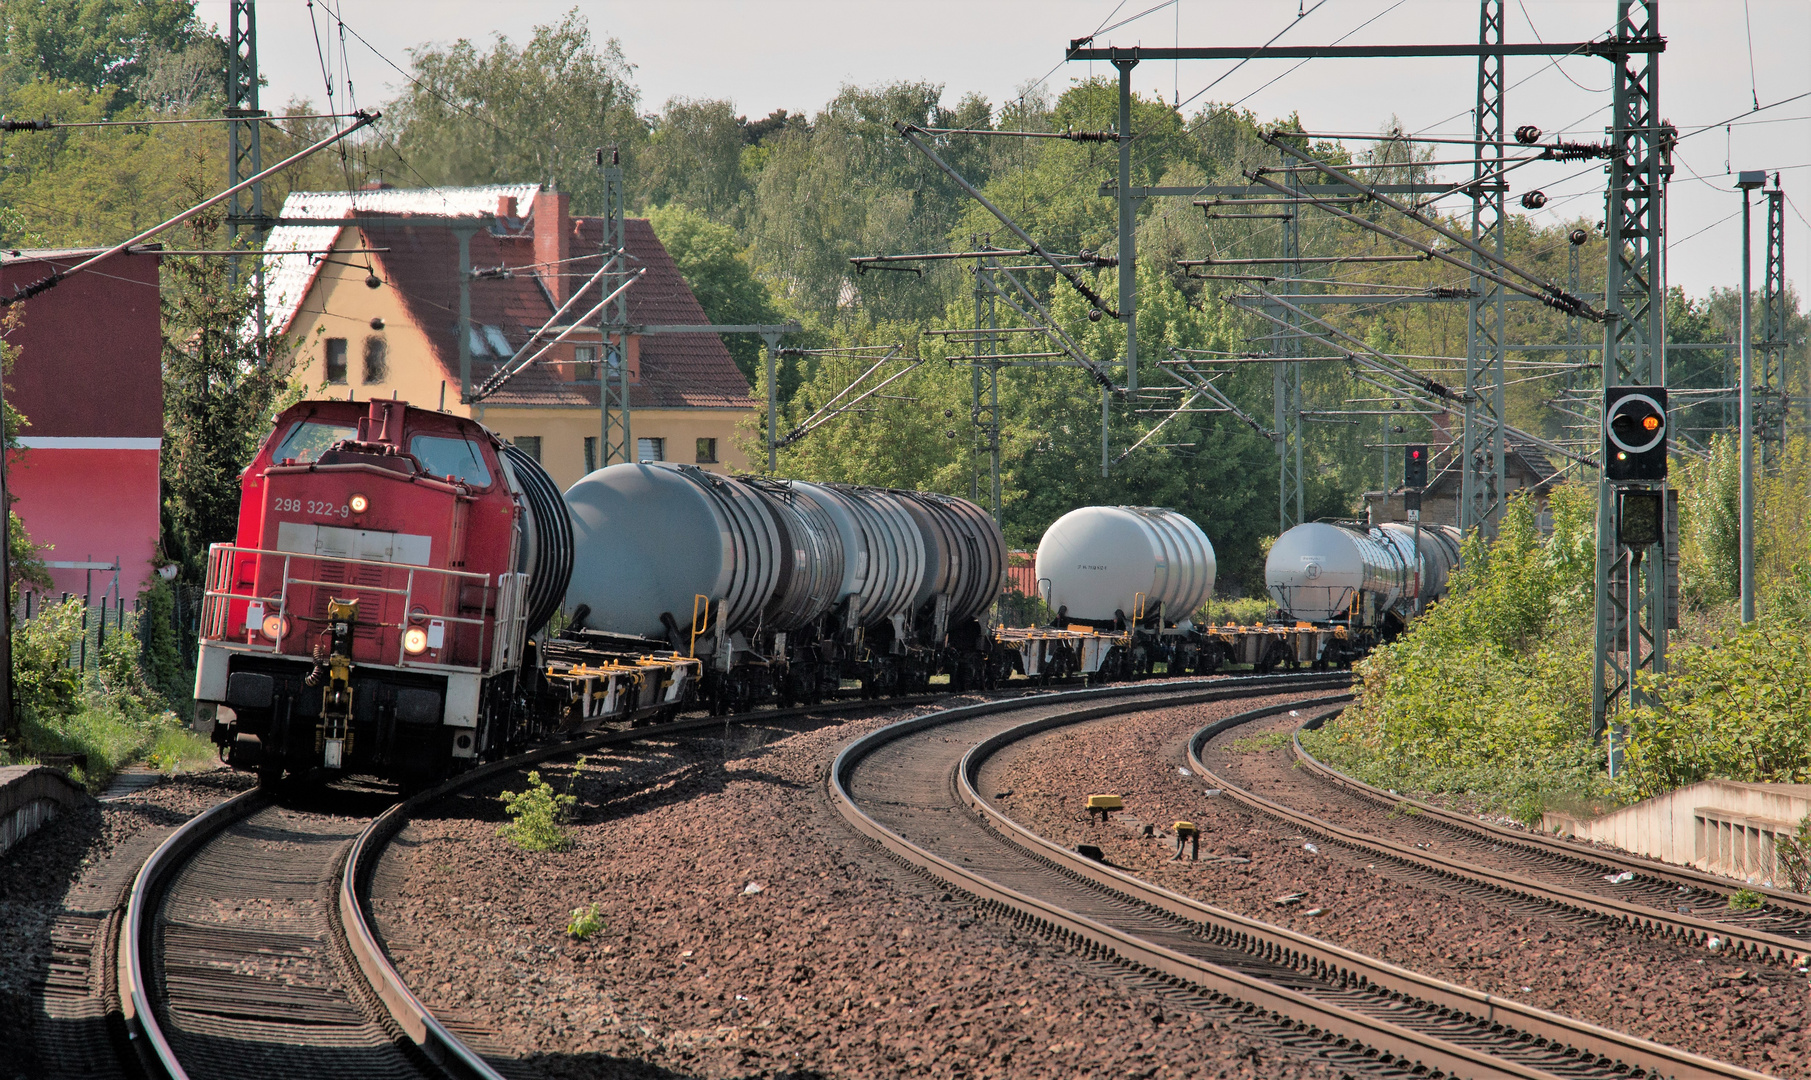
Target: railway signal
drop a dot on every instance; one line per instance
(1634, 420)
(1414, 467)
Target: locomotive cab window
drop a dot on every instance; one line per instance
(308, 439)
(449, 455)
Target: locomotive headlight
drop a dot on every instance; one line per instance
(415, 641)
(359, 504)
(274, 627)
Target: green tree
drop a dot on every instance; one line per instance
(97, 43)
(694, 158)
(710, 257)
(537, 112)
(219, 385)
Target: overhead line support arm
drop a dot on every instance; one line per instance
(910, 134)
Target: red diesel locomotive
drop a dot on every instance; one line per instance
(376, 613)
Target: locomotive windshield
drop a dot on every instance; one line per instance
(444, 455)
(307, 440)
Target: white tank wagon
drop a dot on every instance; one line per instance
(785, 587)
(1114, 564)
(1374, 579)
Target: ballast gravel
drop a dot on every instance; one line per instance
(747, 930)
(1750, 1012)
(80, 859)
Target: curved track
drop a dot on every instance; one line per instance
(1495, 862)
(911, 787)
(247, 948)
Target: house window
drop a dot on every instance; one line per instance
(377, 359)
(336, 359)
(707, 451)
(584, 363)
(650, 449)
(590, 454)
(528, 444)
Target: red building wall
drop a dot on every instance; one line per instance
(88, 377)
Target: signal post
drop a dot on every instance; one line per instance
(1636, 529)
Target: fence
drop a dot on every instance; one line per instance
(105, 617)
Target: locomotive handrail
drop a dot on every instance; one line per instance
(505, 605)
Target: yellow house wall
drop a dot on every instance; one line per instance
(563, 433)
(340, 305)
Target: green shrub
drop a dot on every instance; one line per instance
(1745, 900)
(538, 816)
(585, 922)
(110, 715)
(1794, 853)
(1735, 709)
(1489, 692)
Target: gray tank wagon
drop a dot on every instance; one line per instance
(785, 588)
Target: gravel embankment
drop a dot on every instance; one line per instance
(1752, 1013)
(78, 859)
(750, 932)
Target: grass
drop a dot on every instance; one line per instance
(1257, 744)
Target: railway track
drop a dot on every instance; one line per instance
(247, 950)
(912, 787)
(1496, 863)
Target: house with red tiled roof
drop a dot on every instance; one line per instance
(373, 307)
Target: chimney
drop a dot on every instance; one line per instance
(506, 207)
(553, 240)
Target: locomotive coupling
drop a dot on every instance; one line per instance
(334, 736)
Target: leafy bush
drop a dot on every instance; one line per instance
(1733, 709)
(1490, 690)
(1794, 853)
(110, 715)
(1745, 900)
(585, 922)
(538, 816)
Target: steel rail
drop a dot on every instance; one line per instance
(134, 973)
(1301, 951)
(1551, 845)
(1330, 1022)
(1639, 916)
(135, 968)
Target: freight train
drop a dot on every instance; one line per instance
(386, 603)
(1127, 582)
(391, 600)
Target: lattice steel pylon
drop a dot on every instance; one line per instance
(1634, 354)
(1286, 379)
(244, 141)
(617, 435)
(1770, 393)
(985, 413)
(1481, 450)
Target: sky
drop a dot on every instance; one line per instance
(1722, 58)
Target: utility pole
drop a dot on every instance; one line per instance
(245, 145)
(1770, 348)
(1634, 354)
(616, 440)
(1481, 448)
(1286, 375)
(1747, 182)
(986, 376)
(1128, 238)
